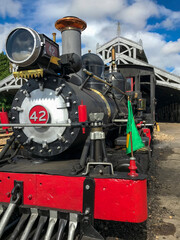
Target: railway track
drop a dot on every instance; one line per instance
(4, 137)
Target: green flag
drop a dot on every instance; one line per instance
(131, 127)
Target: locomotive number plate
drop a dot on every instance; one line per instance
(38, 114)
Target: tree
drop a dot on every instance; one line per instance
(6, 101)
(5, 98)
(4, 66)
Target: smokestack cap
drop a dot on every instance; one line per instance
(70, 22)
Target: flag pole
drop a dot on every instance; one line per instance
(131, 144)
(132, 164)
(131, 140)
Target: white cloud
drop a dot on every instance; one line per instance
(168, 19)
(10, 8)
(138, 13)
(162, 54)
(172, 47)
(97, 9)
(102, 17)
(4, 31)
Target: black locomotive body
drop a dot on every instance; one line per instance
(62, 119)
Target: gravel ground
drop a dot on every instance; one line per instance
(164, 185)
(163, 193)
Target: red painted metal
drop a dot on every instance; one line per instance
(132, 167)
(147, 132)
(51, 50)
(139, 125)
(82, 112)
(60, 192)
(4, 119)
(115, 199)
(38, 114)
(121, 200)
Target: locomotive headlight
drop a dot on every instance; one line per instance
(23, 46)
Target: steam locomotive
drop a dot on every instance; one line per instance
(59, 177)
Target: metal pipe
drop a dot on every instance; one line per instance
(72, 226)
(1, 210)
(40, 226)
(101, 80)
(41, 125)
(34, 215)
(98, 151)
(105, 159)
(92, 151)
(52, 222)
(62, 225)
(6, 217)
(120, 120)
(11, 225)
(54, 37)
(19, 226)
(113, 54)
(85, 152)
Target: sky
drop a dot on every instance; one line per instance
(155, 22)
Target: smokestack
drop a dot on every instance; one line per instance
(71, 28)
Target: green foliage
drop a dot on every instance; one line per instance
(5, 101)
(5, 98)
(4, 66)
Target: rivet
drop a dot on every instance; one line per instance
(30, 197)
(70, 93)
(72, 133)
(44, 144)
(54, 80)
(8, 194)
(32, 148)
(87, 211)
(68, 104)
(50, 150)
(18, 136)
(87, 187)
(41, 151)
(58, 147)
(16, 99)
(13, 118)
(74, 102)
(76, 113)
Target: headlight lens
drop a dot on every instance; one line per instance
(23, 46)
(20, 45)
